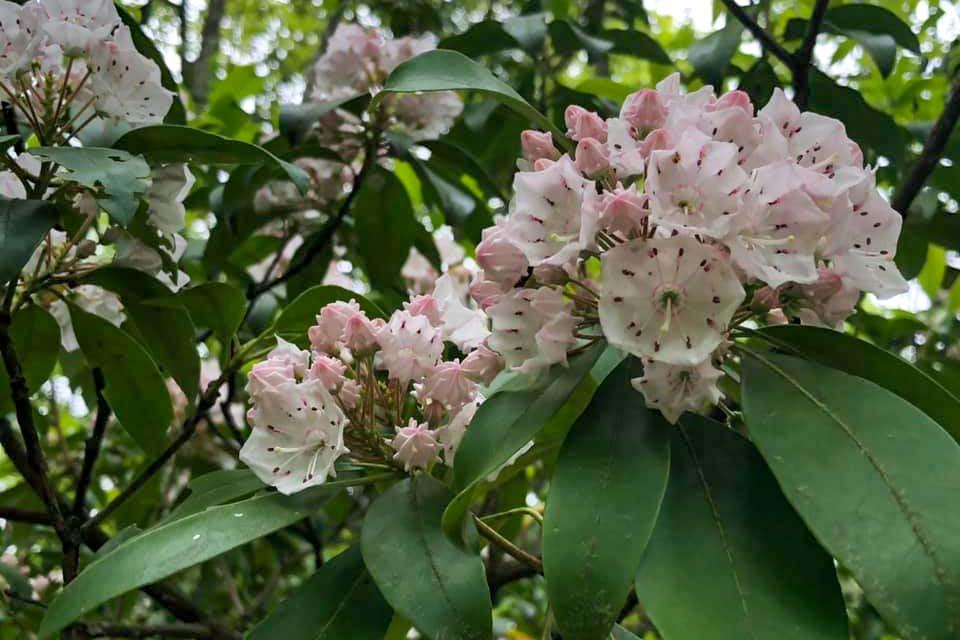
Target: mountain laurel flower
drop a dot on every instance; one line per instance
(674, 389)
(448, 385)
(411, 347)
(485, 293)
(360, 333)
(451, 434)
(536, 145)
(464, 326)
(297, 436)
(669, 299)
(327, 334)
(584, 124)
(532, 328)
(501, 260)
(415, 445)
(591, 157)
(328, 370)
(645, 110)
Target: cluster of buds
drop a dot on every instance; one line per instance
(377, 390)
(666, 219)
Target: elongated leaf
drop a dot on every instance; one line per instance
(157, 318)
(135, 388)
(216, 488)
(440, 587)
(480, 39)
(123, 177)
(168, 548)
(442, 70)
(619, 633)
(175, 143)
(296, 120)
(730, 558)
(339, 601)
(36, 338)
(637, 44)
(215, 305)
(711, 55)
(503, 425)
(568, 38)
(855, 461)
(603, 503)
(860, 358)
(874, 19)
(299, 315)
(23, 223)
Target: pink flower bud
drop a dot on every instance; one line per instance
(584, 124)
(482, 365)
(644, 110)
(655, 141)
(415, 446)
(623, 210)
(329, 371)
(543, 164)
(733, 99)
(502, 261)
(448, 386)
(591, 157)
(485, 292)
(360, 334)
(327, 334)
(425, 305)
(349, 394)
(537, 145)
(765, 299)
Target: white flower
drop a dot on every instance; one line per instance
(532, 328)
(694, 187)
(411, 347)
(667, 298)
(460, 324)
(169, 185)
(76, 25)
(674, 389)
(297, 436)
(20, 37)
(127, 85)
(544, 219)
(451, 434)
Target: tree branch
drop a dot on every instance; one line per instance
(932, 152)
(199, 72)
(91, 449)
(803, 58)
(25, 516)
(762, 35)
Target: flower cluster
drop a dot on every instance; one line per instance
(358, 60)
(377, 389)
(666, 219)
(63, 63)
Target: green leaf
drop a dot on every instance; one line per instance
(880, 46)
(338, 601)
(637, 44)
(604, 498)
(36, 339)
(860, 358)
(482, 38)
(870, 18)
(216, 488)
(135, 388)
(177, 114)
(440, 587)
(530, 30)
(157, 318)
(123, 177)
(855, 461)
(217, 306)
(386, 227)
(301, 314)
(729, 557)
(169, 548)
(296, 120)
(934, 268)
(710, 56)
(23, 223)
(619, 633)
(759, 81)
(505, 422)
(442, 70)
(174, 143)
(568, 38)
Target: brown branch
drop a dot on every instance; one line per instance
(762, 35)
(25, 516)
(198, 73)
(93, 443)
(932, 152)
(110, 630)
(803, 58)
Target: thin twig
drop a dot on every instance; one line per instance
(508, 547)
(762, 35)
(25, 516)
(92, 446)
(803, 58)
(932, 152)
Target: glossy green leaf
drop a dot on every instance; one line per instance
(874, 19)
(637, 44)
(135, 389)
(568, 38)
(123, 177)
(174, 143)
(873, 477)
(158, 320)
(729, 557)
(440, 587)
(296, 120)
(339, 601)
(482, 38)
(169, 548)
(505, 422)
(710, 56)
(860, 358)
(442, 70)
(36, 339)
(934, 268)
(216, 306)
(301, 314)
(603, 502)
(216, 488)
(23, 223)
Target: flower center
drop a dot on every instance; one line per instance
(668, 300)
(687, 199)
